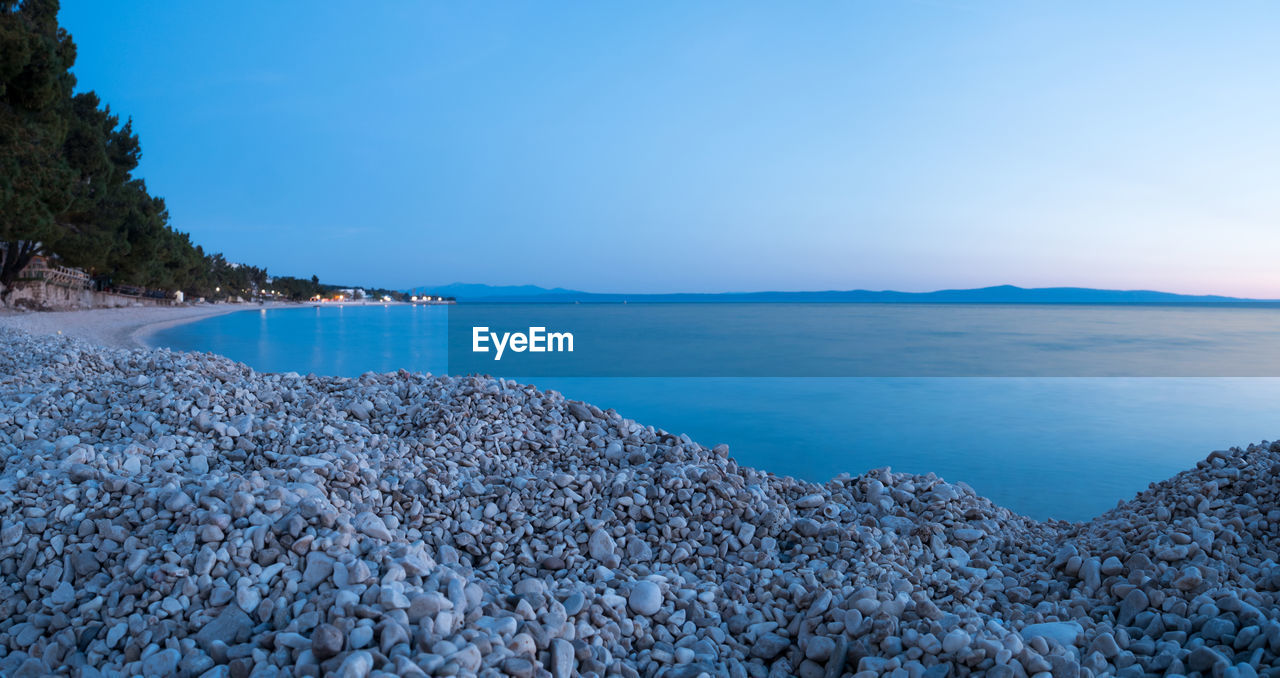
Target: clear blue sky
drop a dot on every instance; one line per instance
(691, 146)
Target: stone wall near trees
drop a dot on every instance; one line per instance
(45, 296)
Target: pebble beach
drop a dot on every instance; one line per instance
(167, 513)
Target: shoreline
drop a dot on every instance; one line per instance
(125, 327)
(468, 526)
(131, 327)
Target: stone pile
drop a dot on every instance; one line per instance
(166, 513)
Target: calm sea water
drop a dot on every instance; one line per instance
(1062, 447)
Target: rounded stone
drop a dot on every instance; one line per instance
(645, 598)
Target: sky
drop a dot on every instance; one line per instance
(710, 146)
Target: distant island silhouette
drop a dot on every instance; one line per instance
(998, 294)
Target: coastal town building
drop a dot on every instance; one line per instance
(44, 269)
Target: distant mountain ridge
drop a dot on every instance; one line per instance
(998, 294)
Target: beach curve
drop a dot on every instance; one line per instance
(124, 327)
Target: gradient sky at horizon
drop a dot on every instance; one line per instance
(711, 146)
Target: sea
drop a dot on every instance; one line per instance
(1076, 408)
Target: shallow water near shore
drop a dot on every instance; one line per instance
(1060, 447)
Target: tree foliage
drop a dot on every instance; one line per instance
(67, 187)
(36, 184)
(297, 289)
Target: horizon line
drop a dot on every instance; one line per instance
(534, 289)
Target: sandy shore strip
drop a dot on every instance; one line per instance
(171, 513)
(127, 327)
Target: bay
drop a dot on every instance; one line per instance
(1060, 447)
